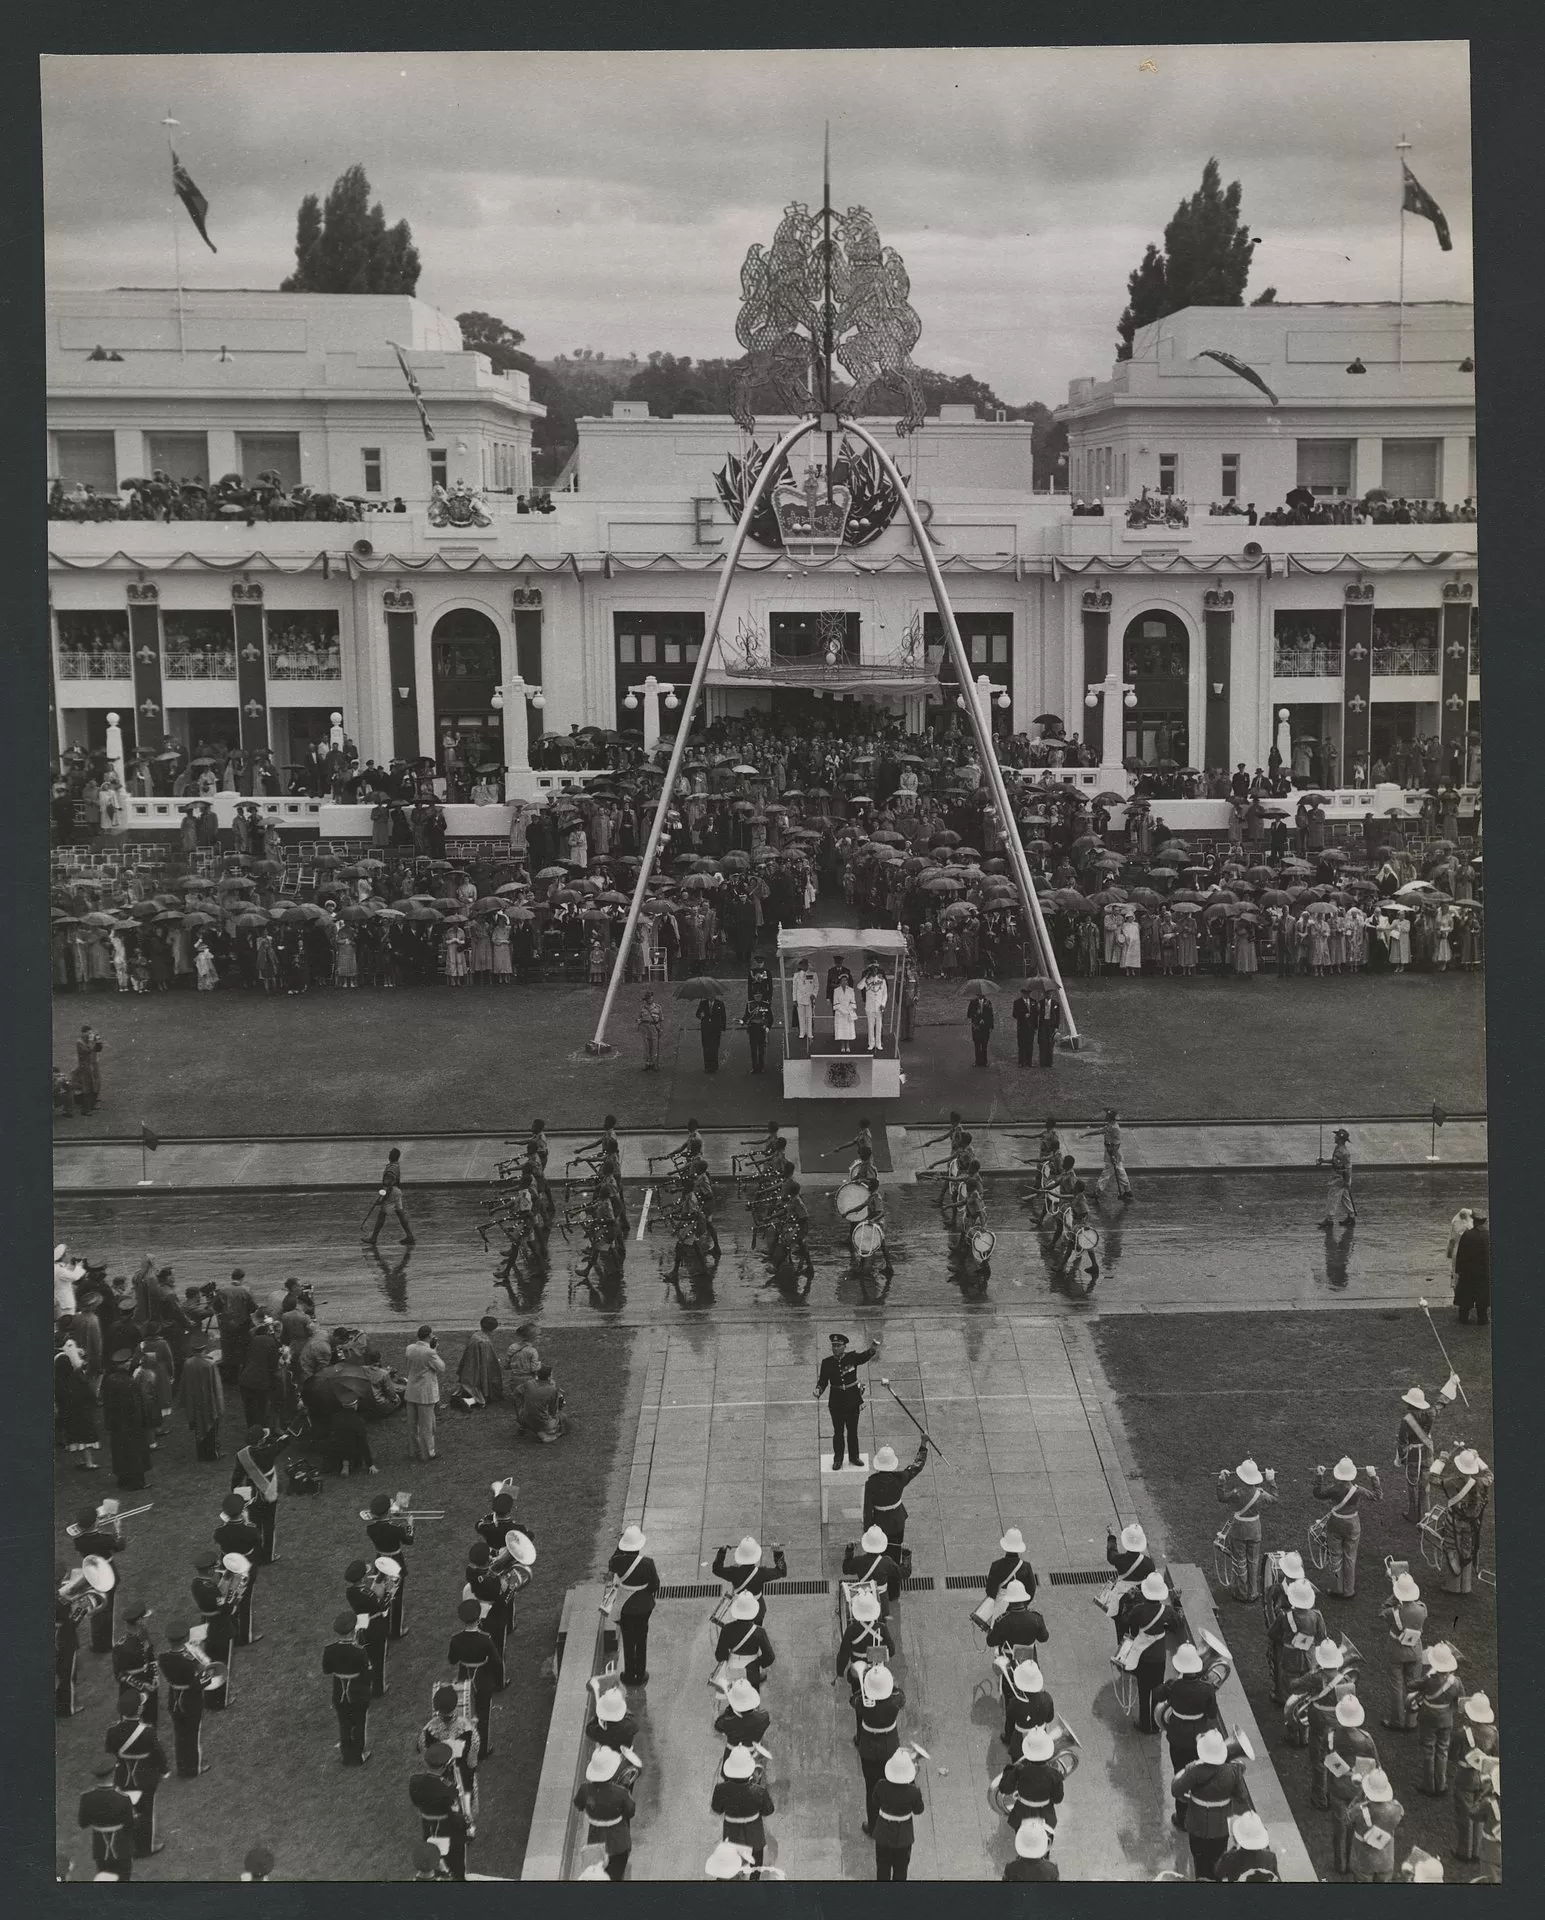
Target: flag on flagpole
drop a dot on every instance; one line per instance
(147, 1138)
(192, 199)
(1245, 371)
(413, 388)
(1419, 200)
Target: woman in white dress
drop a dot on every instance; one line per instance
(1131, 944)
(844, 1017)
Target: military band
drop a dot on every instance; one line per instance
(183, 1672)
(140, 1768)
(1247, 1490)
(1405, 1617)
(347, 1664)
(1206, 1793)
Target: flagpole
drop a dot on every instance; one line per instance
(171, 155)
(1402, 147)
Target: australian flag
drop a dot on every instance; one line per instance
(193, 200)
(1419, 200)
(414, 389)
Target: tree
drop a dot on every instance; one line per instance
(1205, 262)
(1266, 299)
(345, 246)
(487, 333)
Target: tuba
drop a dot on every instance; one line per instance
(235, 1578)
(390, 1571)
(85, 1591)
(1066, 1750)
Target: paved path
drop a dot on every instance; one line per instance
(259, 1165)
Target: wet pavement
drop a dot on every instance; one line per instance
(1232, 1240)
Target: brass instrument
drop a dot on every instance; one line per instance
(109, 1518)
(390, 1571)
(1318, 1532)
(212, 1674)
(85, 1591)
(1066, 1747)
(234, 1578)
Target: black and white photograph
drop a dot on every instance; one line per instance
(845, 686)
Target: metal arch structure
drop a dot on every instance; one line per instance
(979, 727)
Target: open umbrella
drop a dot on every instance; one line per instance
(1109, 800)
(702, 987)
(1172, 854)
(942, 883)
(977, 986)
(553, 873)
(199, 920)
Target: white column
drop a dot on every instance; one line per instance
(1110, 752)
(1454, 480)
(115, 749)
(1285, 737)
(1368, 464)
(510, 700)
(224, 455)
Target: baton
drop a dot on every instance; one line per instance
(1444, 1351)
(911, 1415)
(643, 1213)
(381, 1195)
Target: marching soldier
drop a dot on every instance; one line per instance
(364, 1595)
(1436, 1700)
(862, 1638)
(141, 1767)
(838, 1379)
(1019, 1624)
(485, 1585)
(1129, 1557)
(134, 1662)
(1369, 1833)
(1343, 1525)
(500, 1520)
(1350, 1742)
(1032, 1787)
(108, 1812)
(744, 1721)
(1032, 1846)
(1186, 1705)
(742, 1802)
(1475, 1774)
(348, 1664)
(609, 1807)
(255, 1467)
(1407, 1618)
(880, 1702)
(1011, 1564)
(1414, 1447)
(1340, 1208)
(184, 1702)
(1249, 1856)
(477, 1660)
(1295, 1631)
(1280, 1570)
(1245, 1489)
(871, 1561)
(883, 1505)
(1026, 1703)
(1148, 1609)
(893, 1804)
(1114, 1168)
(442, 1823)
(389, 1532)
(1206, 1793)
(236, 1534)
(742, 1567)
(219, 1621)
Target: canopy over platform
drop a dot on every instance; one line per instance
(797, 940)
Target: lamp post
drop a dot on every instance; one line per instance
(987, 696)
(114, 749)
(1108, 689)
(651, 689)
(510, 699)
(1285, 737)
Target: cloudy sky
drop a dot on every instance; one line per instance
(608, 200)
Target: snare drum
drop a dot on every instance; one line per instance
(1087, 1238)
(982, 1243)
(867, 1238)
(852, 1199)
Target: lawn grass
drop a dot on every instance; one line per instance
(275, 1777)
(1297, 1390)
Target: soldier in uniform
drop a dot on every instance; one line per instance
(879, 1704)
(1019, 1624)
(141, 1767)
(66, 1647)
(895, 1801)
(742, 1567)
(1368, 1836)
(1148, 1609)
(1026, 1703)
(1321, 1722)
(1186, 1705)
(1340, 1208)
(743, 1721)
(1280, 1570)
(1129, 1555)
(838, 1379)
(236, 1534)
(98, 1532)
(1414, 1442)
(185, 1702)
(862, 1638)
(219, 1620)
(1032, 1847)
(742, 1802)
(1206, 1793)
(1246, 1489)
(1344, 1527)
(389, 1533)
(610, 1724)
(348, 1664)
(134, 1662)
(1031, 1786)
(871, 1561)
(744, 1636)
(1437, 1700)
(1248, 1856)
(609, 1808)
(477, 1659)
(1011, 1564)
(1350, 1742)
(364, 1595)
(1114, 1168)
(451, 1724)
(255, 1468)
(637, 1579)
(1296, 1629)
(1464, 1485)
(1475, 1773)
(438, 1806)
(108, 1812)
(883, 1505)
(1406, 1616)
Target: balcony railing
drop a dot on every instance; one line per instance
(74, 665)
(200, 663)
(1406, 660)
(322, 663)
(1307, 663)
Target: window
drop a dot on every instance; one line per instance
(304, 646)
(1169, 473)
(1307, 645)
(1231, 476)
(87, 460)
(94, 646)
(1411, 469)
(1405, 640)
(370, 459)
(988, 639)
(180, 456)
(528, 661)
(437, 467)
(199, 646)
(271, 453)
(645, 641)
(1325, 467)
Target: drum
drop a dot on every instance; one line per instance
(214, 1676)
(1087, 1239)
(852, 1199)
(1125, 1686)
(867, 1239)
(981, 1244)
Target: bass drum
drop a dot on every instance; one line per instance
(981, 1244)
(852, 1199)
(867, 1239)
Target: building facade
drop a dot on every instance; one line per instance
(1183, 639)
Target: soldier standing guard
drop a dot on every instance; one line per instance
(1246, 1488)
(1343, 1526)
(838, 1379)
(1407, 1618)
(185, 1702)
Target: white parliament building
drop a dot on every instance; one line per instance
(1196, 638)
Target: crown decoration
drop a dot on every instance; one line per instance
(246, 591)
(398, 600)
(526, 597)
(1097, 600)
(145, 593)
(1218, 599)
(1359, 590)
(812, 526)
(872, 499)
(1458, 589)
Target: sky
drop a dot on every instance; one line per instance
(607, 200)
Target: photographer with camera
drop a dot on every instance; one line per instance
(424, 1369)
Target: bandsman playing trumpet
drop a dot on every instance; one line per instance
(1343, 1526)
(134, 1661)
(1406, 1617)
(1414, 1446)
(1368, 1836)
(1436, 1701)
(141, 1767)
(1246, 1489)
(1206, 1792)
(1186, 1705)
(1031, 1787)
(348, 1665)
(1475, 1774)
(1351, 1754)
(183, 1672)
(1296, 1630)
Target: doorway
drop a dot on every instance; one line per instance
(466, 662)
(1156, 659)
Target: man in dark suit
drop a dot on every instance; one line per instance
(837, 975)
(1472, 1273)
(1026, 1012)
(979, 1016)
(712, 1018)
